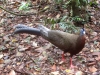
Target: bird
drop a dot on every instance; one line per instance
(67, 42)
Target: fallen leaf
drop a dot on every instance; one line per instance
(46, 7)
(33, 36)
(79, 73)
(95, 54)
(40, 49)
(6, 38)
(1, 61)
(22, 48)
(1, 55)
(1, 11)
(68, 70)
(94, 33)
(12, 72)
(41, 58)
(45, 53)
(55, 73)
(3, 21)
(47, 46)
(92, 69)
(91, 61)
(19, 53)
(61, 62)
(34, 44)
(62, 67)
(54, 68)
(7, 61)
(58, 16)
(14, 40)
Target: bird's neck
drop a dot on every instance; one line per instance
(81, 42)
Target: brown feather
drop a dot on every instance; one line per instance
(65, 41)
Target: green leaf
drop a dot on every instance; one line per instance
(63, 18)
(24, 6)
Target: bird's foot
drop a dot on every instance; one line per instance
(72, 66)
(63, 58)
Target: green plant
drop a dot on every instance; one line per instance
(50, 21)
(77, 10)
(68, 27)
(76, 4)
(58, 1)
(24, 6)
(93, 3)
(63, 23)
(78, 19)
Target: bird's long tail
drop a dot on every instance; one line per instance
(40, 31)
(25, 29)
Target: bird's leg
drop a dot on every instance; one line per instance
(71, 64)
(63, 57)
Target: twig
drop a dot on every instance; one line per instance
(28, 14)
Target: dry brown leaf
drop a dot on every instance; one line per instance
(58, 16)
(79, 73)
(7, 61)
(12, 72)
(1, 61)
(34, 44)
(54, 67)
(14, 40)
(46, 7)
(94, 33)
(96, 53)
(24, 35)
(40, 49)
(61, 62)
(95, 38)
(47, 46)
(6, 38)
(91, 61)
(0, 11)
(85, 49)
(19, 54)
(55, 73)
(62, 67)
(1, 56)
(92, 69)
(22, 48)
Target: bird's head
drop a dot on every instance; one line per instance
(82, 31)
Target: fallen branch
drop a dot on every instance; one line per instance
(28, 14)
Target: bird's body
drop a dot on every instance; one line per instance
(65, 41)
(62, 40)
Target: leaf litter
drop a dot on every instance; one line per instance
(25, 54)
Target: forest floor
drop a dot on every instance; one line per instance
(26, 54)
